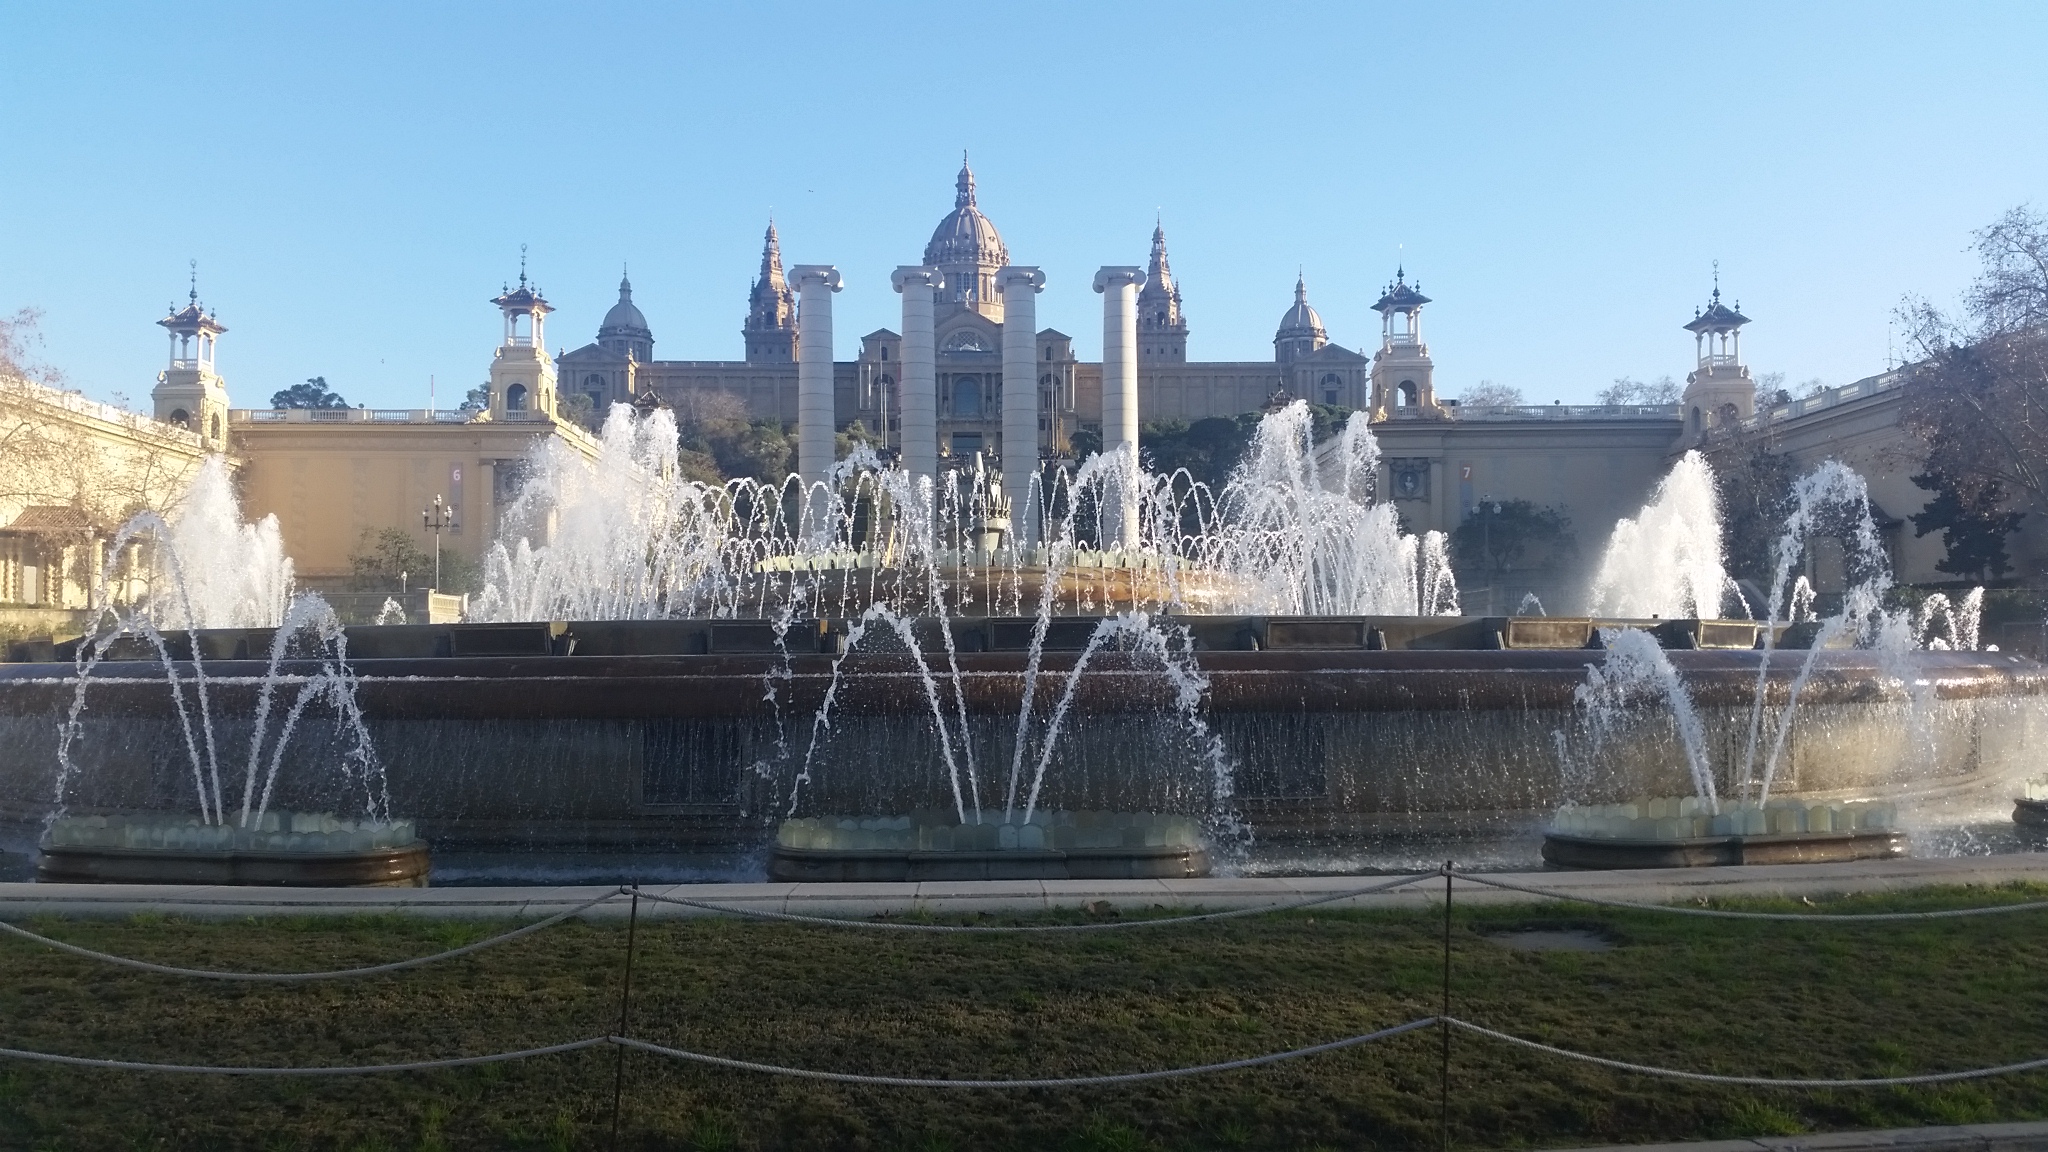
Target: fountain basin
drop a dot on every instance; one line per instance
(646, 736)
(1567, 851)
(280, 849)
(1049, 846)
(1684, 832)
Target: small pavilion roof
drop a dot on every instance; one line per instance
(1399, 297)
(1717, 317)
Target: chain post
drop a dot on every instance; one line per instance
(625, 1007)
(1444, 1073)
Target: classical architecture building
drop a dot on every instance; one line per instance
(330, 474)
(968, 373)
(966, 255)
(327, 474)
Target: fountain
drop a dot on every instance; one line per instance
(212, 578)
(1680, 532)
(664, 676)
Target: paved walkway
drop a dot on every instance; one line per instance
(1009, 897)
(2030, 1137)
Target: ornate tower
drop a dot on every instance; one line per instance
(1301, 330)
(967, 251)
(522, 372)
(1162, 329)
(1403, 376)
(188, 393)
(771, 309)
(624, 331)
(1719, 391)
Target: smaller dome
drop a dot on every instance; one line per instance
(1300, 320)
(624, 319)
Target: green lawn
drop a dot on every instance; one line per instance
(1771, 999)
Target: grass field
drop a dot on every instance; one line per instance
(1769, 999)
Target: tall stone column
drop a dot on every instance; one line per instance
(1020, 287)
(816, 419)
(917, 374)
(1119, 286)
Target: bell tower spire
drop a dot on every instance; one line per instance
(189, 393)
(522, 373)
(1719, 391)
(770, 330)
(1162, 329)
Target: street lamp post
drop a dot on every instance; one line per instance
(435, 519)
(1487, 511)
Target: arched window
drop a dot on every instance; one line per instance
(181, 418)
(1407, 391)
(213, 426)
(1333, 387)
(1695, 421)
(515, 398)
(967, 397)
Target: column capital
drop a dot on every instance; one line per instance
(1020, 273)
(1118, 275)
(825, 274)
(915, 274)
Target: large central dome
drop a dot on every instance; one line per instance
(965, 236)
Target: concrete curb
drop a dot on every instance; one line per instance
(2024, 1137)
(1013, 897)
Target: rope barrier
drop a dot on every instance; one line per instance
(301, 977)
(1052, 1082)
(1753, 1081)
(335, 1070)
(1728, 914)
(1104, 1080)
(1154, 922)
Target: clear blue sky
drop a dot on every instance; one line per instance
(356, 180)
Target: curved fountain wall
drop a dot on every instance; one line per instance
(1325, 743)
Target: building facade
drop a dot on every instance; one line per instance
(968, 254)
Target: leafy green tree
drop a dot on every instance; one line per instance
(853, 436)
(389, 560)
(1503, 536)
(1755, 484)
(577, 408)
(1208, 448)
(1211, 448)
(476, 399)
(314, 393)
(1972, 525)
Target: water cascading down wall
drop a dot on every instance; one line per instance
(701, 734)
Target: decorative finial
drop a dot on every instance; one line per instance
(964, 187)
(522, 265)
(193, 296)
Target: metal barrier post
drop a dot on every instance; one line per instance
(1444, 1075)
(625, 1006)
